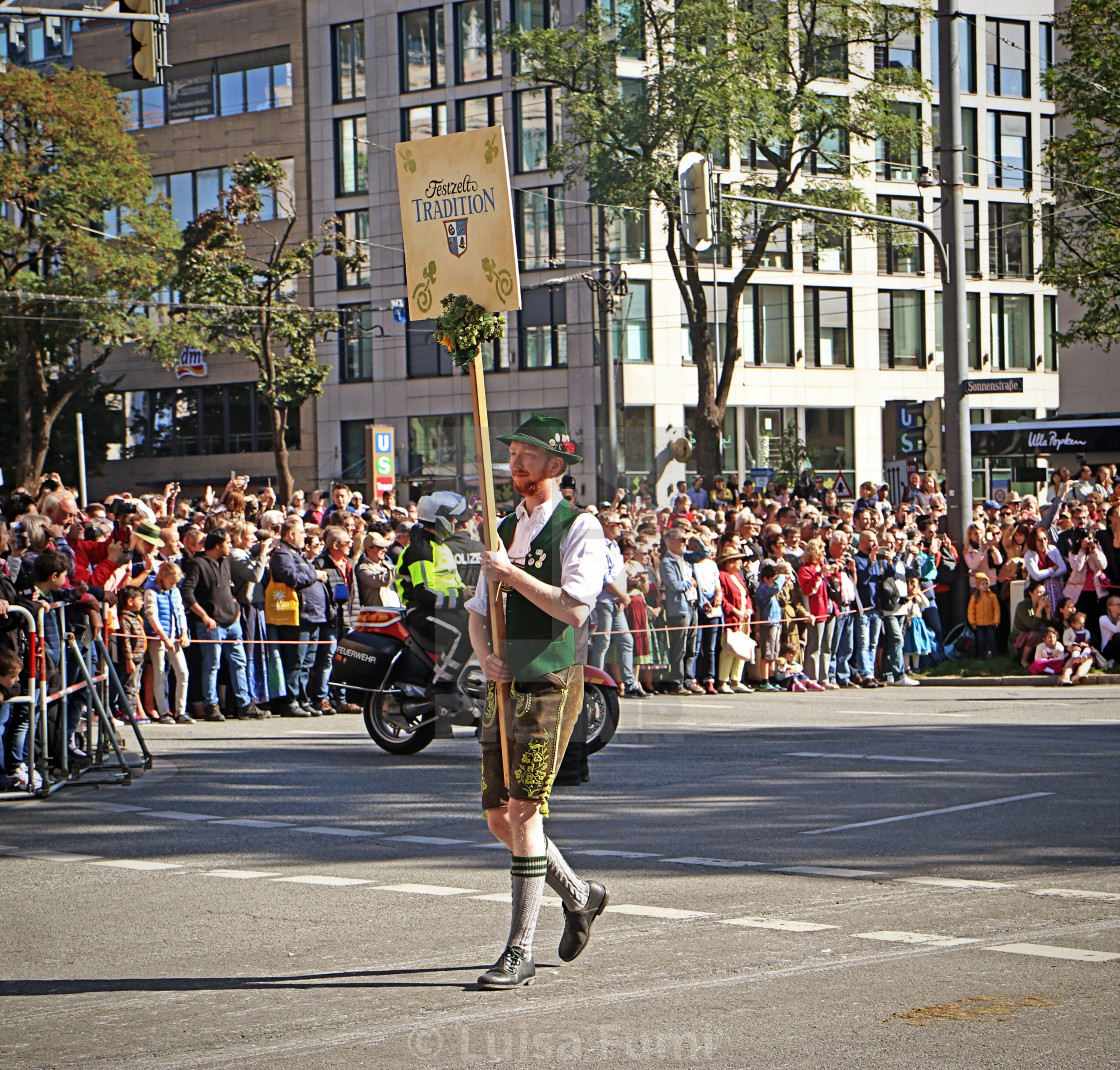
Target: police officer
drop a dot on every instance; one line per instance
(430, 586)
(467, 551)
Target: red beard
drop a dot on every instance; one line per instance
(526, 486)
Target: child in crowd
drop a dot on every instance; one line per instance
(131, 646)
(772, 577)
(1049, 655)
(167, 625)
(11, 665)
(789, 673)
(917, 640)
(1110, 630)
(1079, 651)
(983, 615)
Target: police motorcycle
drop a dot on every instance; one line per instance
(391, 666)
(414, 683)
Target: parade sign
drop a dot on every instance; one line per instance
(381, 459)
(458, 221)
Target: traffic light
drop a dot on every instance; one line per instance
(149, 39)
(696, 201)
(932, 414)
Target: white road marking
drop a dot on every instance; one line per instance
(831, 871)
(656, 912)
(253, 823)
(114, 808)
(617, 854)
(137, 863)
(488, 846)
(1049, 952)
(505, 897)
(952, 882)
(425, 889)
(6, 847)
(721, 863)
(706, 706)
(1075, 893)
(933, 939)
(181, 815)
(55, 856)
(632, 746)
(335, 882)
(238, 874)
(327, 830)
(928, 813)
(434, 841)
(778, 923)
(872, 757)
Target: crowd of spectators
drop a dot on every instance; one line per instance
(231, 604)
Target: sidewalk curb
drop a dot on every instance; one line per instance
(1010, 681)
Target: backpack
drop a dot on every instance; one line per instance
(888, 593)
(959, 642)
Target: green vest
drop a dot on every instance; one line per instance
(536, 642)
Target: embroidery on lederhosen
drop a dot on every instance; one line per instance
(484, 784)
(556, 753)
(522, 701)
(533, 771)
(490, 709)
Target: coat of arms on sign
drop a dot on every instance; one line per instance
(457, 236)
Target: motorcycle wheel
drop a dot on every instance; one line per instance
(601, 706)
(388, 727)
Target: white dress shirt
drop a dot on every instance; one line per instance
(583, 551)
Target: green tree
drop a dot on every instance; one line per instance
(757, 79)
(1083, 231)
(793, 457)
(70, 292)
(252, 288)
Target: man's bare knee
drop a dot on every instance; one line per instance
(523, 811)
(498, 821)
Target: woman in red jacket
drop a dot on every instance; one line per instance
(814, 586)
(737, 612)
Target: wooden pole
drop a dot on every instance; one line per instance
(491, 541)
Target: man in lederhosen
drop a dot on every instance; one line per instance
(551, 576)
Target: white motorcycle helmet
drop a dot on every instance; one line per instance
(441, 510)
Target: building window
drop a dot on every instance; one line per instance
(901, 329)
(536, 15)
(971, 160)
(902, 51)
(635, 430)
(628, 236)
(475, 113)
(1045, 56)
(1008, 58)
(255, 89)
(477, 55)
(966, 28)
(832, 155)
(355, 227)
(1010, 241)
(830, 439)
(351, 153)
(540, 217)
(427, 120)
(900, 248)
(352, 449)
(1010, 141)
(201, 421)
(355, 344)
(632, 326)
(771, 154)
(422, 49)
(193, 192)
(972, 238)
(776, 256)
(772, 315)
(972, 312)
(825, 48)
(828, 327)
(537, 125)
(826, 246)
(898, 153)
(716, 303)
(1050, 332)
(1012, 331)
(543, 328)
(349, 53)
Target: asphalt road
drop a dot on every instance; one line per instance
(899, 878)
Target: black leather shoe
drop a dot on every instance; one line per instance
(577, 923)
(513, 969)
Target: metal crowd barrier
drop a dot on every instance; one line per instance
(81, 672)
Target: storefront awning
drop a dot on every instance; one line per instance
(1065, 434)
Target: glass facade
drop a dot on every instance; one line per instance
(351, 156)
(349, 52)
(828, 327)
(901, 329)
(355, 344)
(540, 218)
(423, 63)
(1012, 331)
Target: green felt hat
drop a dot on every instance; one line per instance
(548, 433)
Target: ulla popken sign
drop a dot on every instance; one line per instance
(457, 221)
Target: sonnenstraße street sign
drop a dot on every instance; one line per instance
(1010, 385)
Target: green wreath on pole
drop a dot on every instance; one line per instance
(464, 326)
